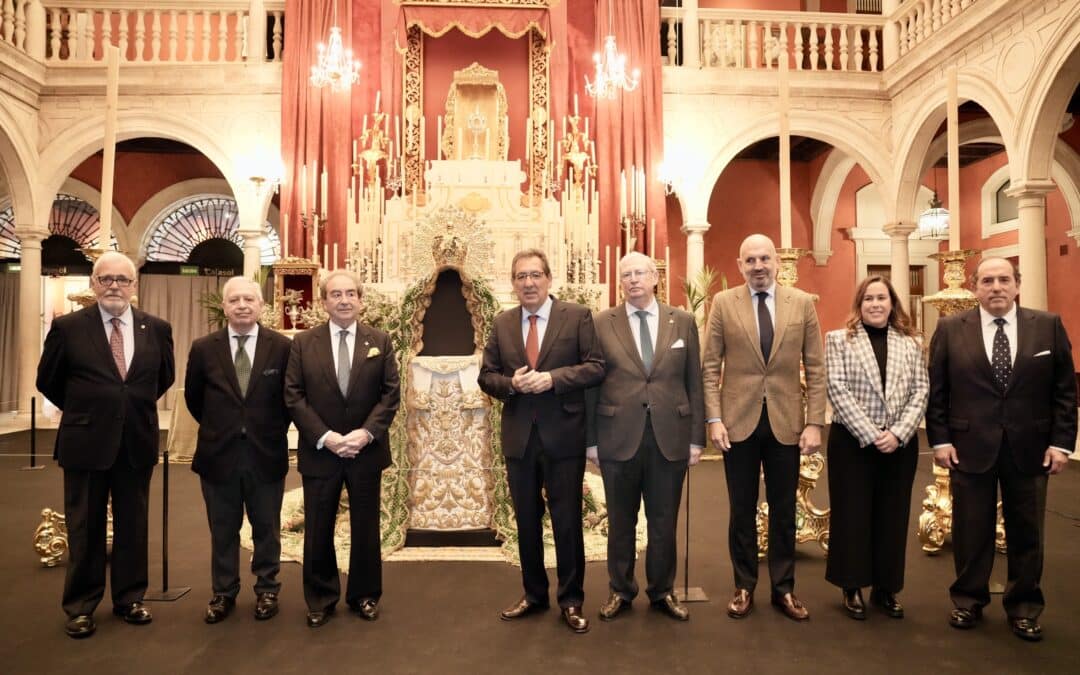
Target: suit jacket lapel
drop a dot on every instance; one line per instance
(360, 354)
(864, 352)
(784, 306)
(894, 361)
(139, 331)
(620, 324)
(555, 323)
(665, 328)
(1025, 335)
(325, 354)
(262, 353)
(516, 337)
(973, 335)
(223, 347)
(95, 328)
(744, 309)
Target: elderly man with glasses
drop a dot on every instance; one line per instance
(106, 366)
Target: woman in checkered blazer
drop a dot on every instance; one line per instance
(878, 387)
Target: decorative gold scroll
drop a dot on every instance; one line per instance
(413, 106)
(475, 88)
(539, 102)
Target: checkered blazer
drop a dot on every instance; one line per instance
(853, 384)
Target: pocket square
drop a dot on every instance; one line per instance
(1045, 352)
(374, 351)
(271, 371)
(678, 344)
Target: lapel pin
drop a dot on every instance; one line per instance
(142, 326)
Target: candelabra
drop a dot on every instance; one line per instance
(632, 226)
(582, 267)
(366, 263)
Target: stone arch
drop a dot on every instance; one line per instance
(823, 202)
(847, 136)
(17, 162)
(919, 135)
(92, 196)
(1043, 107)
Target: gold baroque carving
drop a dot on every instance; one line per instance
(413, 106)
(539, 100)
(475, 76)
(474, 203)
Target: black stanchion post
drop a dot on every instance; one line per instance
(689, 593)
(166, 594)
(33, 437)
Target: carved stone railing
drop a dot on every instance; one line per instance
(917, 20)
(146, 31)
(752, 39)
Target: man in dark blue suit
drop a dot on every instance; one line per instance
(106, 366)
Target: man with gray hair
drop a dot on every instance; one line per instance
(234, 388)
(342, 389)
(106, 366)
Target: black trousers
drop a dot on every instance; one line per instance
(1023, 504)
(322, 495)
(649, 475)
(86, 498)
(528, 476)
(225, 505)
(870, 502)
(743, 464)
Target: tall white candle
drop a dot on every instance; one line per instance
(652, 238)
(303, 189)
(575, 106)
(334, 264)
(438, 137)
(378, 97)
(284, 235)
(423, 139)
(324, 194)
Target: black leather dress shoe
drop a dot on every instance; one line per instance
(319, 617)
(1026, 629)
(888, 603)
(615, 605)
(219, 608)
(135, 613)
(522, 608)
(266, 606)
(671, 606)
(964, 618)
(574, 618)
(853, 604)
(366, 609)
(80, 626)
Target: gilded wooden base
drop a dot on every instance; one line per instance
(935, 522)
(51, 536)
(811, 522)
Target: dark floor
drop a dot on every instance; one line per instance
(442, 617)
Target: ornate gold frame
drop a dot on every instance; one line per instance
(475, 75)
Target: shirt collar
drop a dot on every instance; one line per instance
(335, 329)
(253, 333)
(771, 290)
(126, 318)
(653, 308)
(987, 318)
(544, 312)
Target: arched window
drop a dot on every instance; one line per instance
(198, 219)
(998, 211)
(73, 224)
(1005, 208)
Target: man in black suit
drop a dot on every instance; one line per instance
(1002, 410)
(342, 389)
(646, 425)
(539, 359)
(235, 389)
(106, 366)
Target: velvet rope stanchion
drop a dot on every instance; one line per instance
(166, 594)
(689, 593)
(34, 466)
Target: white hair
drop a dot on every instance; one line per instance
(111, 256)
(638, 256)
(236, 281)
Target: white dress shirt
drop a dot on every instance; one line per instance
(989, 330)
(249, 344)
(652, 320)
(127, 331)
(543, 314)
(350, 343)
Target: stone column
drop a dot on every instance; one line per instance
(900, 259)
(29, 319)
(35, 30)
(252, 252)
(890, 34)
(1031, 198)
(256, 32)
(695, 246)
(691, 37)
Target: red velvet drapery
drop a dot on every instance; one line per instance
(630, 130)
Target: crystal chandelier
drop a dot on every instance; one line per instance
(611, 77)
(336, 67)
(934, 222)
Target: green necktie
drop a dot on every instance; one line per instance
(243, 364)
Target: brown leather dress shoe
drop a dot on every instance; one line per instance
(80, 626)
(740, 605)
(219, 608)
(266, 606)
(792, 607)
(1026, 629)
(522, 608)
(671, 606)
(573, 618)
(134, 613)
(615, 605)
(853, 604)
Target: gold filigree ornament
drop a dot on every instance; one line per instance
(456, 239)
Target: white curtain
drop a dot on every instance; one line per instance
(9, 337)
(176, 300)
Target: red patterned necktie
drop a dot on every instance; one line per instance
(532, 343)
(116, 344)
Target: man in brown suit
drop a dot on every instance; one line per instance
(539, 359)
(759, 335)
(646, 424)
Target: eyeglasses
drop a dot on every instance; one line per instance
(522, 276)
(122, 282)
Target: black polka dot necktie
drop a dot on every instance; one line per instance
(1001, 357)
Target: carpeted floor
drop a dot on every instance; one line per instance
(442, 617)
